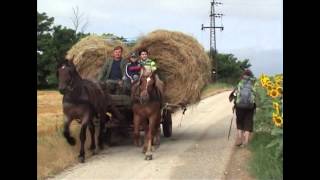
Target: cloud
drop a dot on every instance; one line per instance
(256, 9)
(250, 23)
(263, 61)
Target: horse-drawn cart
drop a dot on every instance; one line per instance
(123, 103)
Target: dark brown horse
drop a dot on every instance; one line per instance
(146, 98)
(82, 100)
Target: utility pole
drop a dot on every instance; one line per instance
(213, 27)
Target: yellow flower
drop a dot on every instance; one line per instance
(269, 87)
(279, 78)
(276, 106)
(263, 84)
(264, 78)
(278, 83)
(273, 93)
(277, 119)
(269, 83)
(279, 89)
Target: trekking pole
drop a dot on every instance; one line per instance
(230, 124)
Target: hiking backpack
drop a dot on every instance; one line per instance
(245, 97)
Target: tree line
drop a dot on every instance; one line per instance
(53, 41)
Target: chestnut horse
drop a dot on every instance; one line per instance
(146, 99)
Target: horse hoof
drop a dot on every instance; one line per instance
(148, 157)
(71, 141)
(81, 159)
(144, 149)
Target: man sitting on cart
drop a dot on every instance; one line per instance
(112, 72)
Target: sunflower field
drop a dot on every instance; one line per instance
(270, 96)
(267, 143)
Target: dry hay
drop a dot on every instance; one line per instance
(90, 53)
(182, 64)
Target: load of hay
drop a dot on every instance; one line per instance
(90, 53)
(182, 62)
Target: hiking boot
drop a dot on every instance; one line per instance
(239, 138)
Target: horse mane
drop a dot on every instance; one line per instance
(94, 94)
(156, 93)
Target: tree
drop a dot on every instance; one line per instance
(53, 42)
(230, 68)
(78, 20)
(44, 51)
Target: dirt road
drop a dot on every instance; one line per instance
(199, 149)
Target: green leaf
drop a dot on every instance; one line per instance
(273, 143)
(276, 131)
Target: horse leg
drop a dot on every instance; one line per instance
(158, 131)
(66, 131)
(154, 124)
(136, 130)
(149, 142)
(103, 119)
(93, 139)
(146, 131)
(156, 139)
(83, 132)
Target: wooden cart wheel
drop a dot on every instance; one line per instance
(167, 124)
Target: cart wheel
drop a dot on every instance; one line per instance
(167, 124)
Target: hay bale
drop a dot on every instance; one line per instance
(90, 54)
(182, 64)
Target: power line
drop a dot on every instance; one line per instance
(213, 27)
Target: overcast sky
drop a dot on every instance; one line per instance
(252, 28)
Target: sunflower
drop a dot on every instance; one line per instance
(279, 89)
(279, 78)
(277, 119)
(263, 84)
(273, 93)
(276, 106)
(263, 80)
(263, 76)
(278, 83)
(269, 87)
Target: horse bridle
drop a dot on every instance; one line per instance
(139, 97)
(70, 83)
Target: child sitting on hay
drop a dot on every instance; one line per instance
(133, 68)
(132, 72)
(150, 66)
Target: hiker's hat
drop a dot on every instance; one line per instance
(248, 72)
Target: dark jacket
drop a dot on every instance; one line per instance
(133, 68)
(106, 69)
